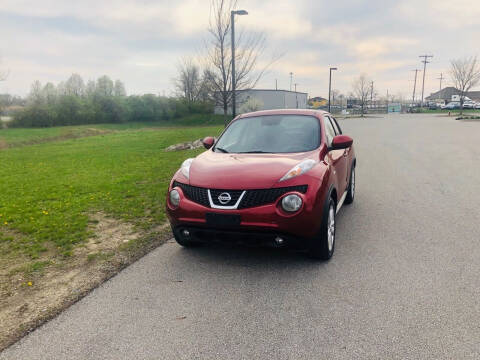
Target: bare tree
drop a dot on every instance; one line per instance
(188, 83)
(49, 93)
(3, 76)
(75, 85)
(90, 88)
(249, 47)
(465, 75)
(119, 89)
(104, 86)
(36, 95)
(362, 90)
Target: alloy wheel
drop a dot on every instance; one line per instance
(331, 228)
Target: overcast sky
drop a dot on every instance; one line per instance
(140, 42)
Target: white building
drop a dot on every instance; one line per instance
(262, 99)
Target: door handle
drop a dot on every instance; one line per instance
(345, 153)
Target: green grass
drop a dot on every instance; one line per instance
(22, 136)
(48, 190)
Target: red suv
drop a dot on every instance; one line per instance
(277, 177)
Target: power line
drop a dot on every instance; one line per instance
(425, 62)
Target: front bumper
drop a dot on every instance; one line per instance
(264, 222)
(238, 236)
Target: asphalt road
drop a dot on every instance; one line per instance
(404, 282)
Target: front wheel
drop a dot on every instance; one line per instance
(322, 246)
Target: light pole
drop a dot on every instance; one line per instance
(232, 22)
(330, 87)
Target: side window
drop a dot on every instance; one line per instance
(329, 130)
(338, 131)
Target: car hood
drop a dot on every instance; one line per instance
(242, 171)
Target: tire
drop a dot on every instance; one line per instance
(184, 242)
(351, 186)
(322, 246)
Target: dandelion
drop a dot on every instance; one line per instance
(29, 283)
(6, 222)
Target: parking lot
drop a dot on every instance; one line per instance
(404, 281)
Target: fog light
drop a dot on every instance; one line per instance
(292, 203)
(186, 233)
(174, 197)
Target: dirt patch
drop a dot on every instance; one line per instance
(66, 135)
(28, 298)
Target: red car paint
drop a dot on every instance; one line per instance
(230, 171)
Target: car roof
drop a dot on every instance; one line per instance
(311, 112)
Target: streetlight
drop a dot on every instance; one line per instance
(232, 21)
(330, 87)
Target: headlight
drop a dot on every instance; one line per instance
(299, 169)
(292, 203)
(186, 167)
(174, 197)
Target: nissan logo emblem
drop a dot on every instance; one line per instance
(224, 198)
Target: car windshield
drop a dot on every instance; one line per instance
(271, 134)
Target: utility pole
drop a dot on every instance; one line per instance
(425, 62)
(371, 94)
(276, 84)
(387, 101)
(296, 95)
(441, 78)
(291, 80)
(414, 86)
(330, 87)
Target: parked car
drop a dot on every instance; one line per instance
(468, 105)
(477, 106)
(452, 105)
(432, 106)
(274, 177)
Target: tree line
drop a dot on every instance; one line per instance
(74, 102)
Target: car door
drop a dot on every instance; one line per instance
(338, 158)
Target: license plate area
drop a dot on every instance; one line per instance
(215, 219)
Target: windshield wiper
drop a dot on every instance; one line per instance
(255, 152)
(221, 150)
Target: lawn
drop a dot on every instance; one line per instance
(48, 190)
(76, 205)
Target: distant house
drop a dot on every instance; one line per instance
(317, 102)
(445, 95)
(265, 99)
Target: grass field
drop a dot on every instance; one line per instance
(57, 186)
(47, 190)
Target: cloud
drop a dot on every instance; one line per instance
(140, 41)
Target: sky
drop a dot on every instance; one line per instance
(141, 41)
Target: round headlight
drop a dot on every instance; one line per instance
(174, 197)
(291, 203)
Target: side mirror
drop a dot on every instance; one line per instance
(208, 142)
(341, 142)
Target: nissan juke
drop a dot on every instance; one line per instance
(274, 177)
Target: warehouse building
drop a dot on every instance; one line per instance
(263, 99)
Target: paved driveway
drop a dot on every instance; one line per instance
(404, 281)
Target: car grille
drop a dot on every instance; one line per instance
(196, 194)
(252, 198)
